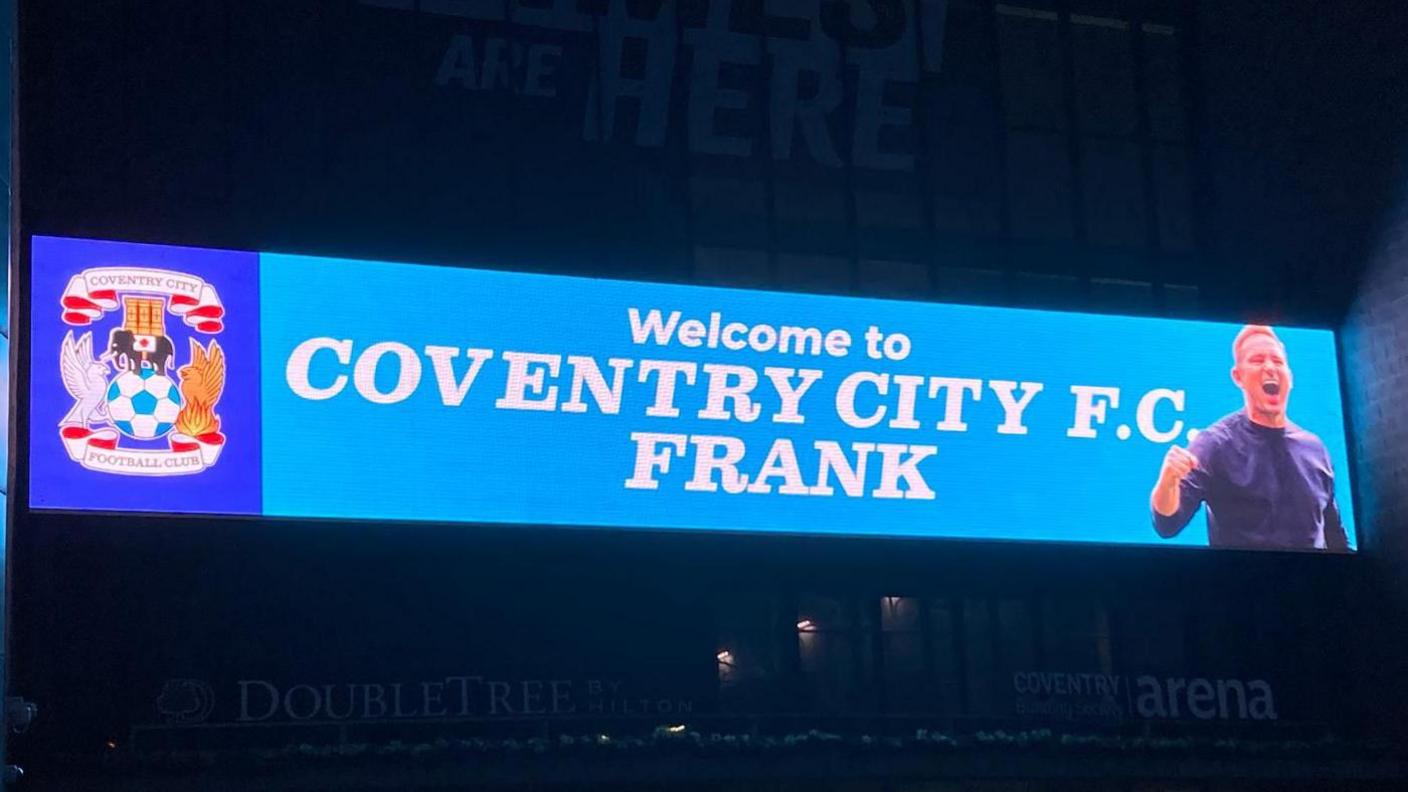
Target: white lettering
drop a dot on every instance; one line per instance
(296, 371)
(846, 398)
(1012, 409)
(1144, 414)
(781, 462)
(706, 462)
(667, 372)
(649, 458)
(585, 371)
(441, 362)
(833, 459)
(791, 395)
(1090, 408)
(953, 404)
(364, 374)
(721, 392)
(893, 468)
(908, 387)
(521, 382)
(652, 326)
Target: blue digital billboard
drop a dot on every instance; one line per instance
(196, 381)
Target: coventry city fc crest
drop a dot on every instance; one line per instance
(138, 410)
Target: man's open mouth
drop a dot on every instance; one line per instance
(1271, 388)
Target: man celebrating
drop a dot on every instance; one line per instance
(1267, 482)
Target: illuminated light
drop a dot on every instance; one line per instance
(112, 744)
(305, 376)
(675, 729)
(805, 625)
(725, 656)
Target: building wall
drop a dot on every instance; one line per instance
(1375, 366)
(1036, 155)
(1209, 159)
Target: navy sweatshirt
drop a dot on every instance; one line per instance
(1264, 488)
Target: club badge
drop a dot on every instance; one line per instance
(137, 409)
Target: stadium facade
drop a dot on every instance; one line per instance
(1230, 162)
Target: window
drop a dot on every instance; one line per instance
(906, 678)
(1044, 122)
(893, 278)
(984, 683)
(748, 655)
(835, 654)
(1153, 640)
(1118, 294)
(1032, 68)
(731, 266)
(1077, 636)
(948, 667)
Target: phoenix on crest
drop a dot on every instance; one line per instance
(202, 382)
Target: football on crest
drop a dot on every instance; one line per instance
(143, 405)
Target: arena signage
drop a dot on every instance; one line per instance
(198, 381)
(1078, 696)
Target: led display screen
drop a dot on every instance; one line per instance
(195, 381)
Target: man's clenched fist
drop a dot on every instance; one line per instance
(1178, 463)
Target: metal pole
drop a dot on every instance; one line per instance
(7, 33)
(16, 711)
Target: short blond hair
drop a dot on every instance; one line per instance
(1251, 331)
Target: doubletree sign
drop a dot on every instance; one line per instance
(462, 696)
